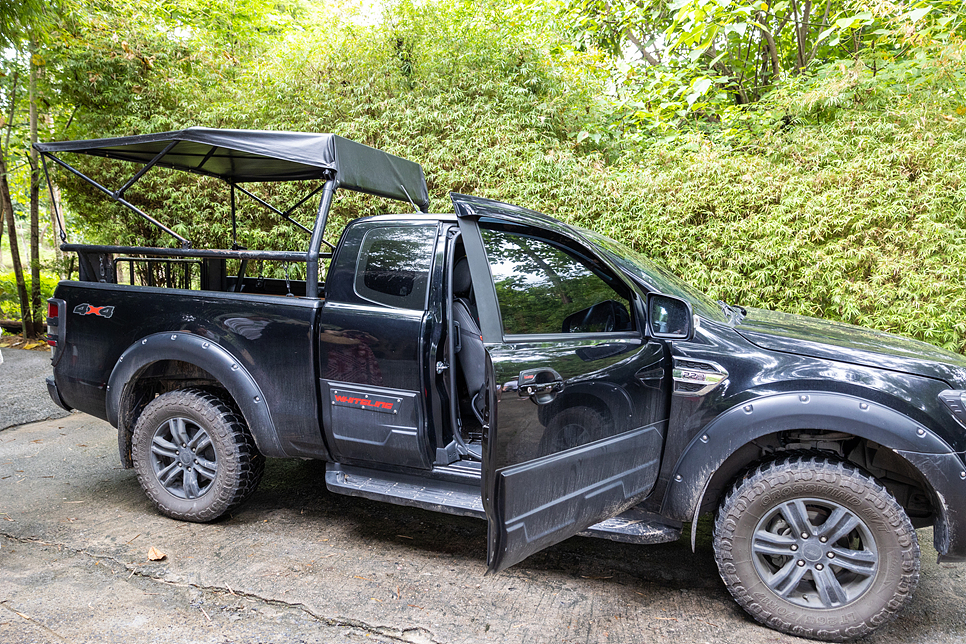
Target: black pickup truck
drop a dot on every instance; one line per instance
(498, 363)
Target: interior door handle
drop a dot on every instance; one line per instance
(540, 385)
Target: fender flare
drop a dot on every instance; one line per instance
(755, 418)
(207, 355)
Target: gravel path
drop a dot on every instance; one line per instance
(23, 388)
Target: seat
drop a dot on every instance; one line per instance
(469, 347)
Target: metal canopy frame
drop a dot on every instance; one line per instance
(311, 257)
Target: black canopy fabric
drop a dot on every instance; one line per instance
(259, 155)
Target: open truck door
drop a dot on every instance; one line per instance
(576, 402)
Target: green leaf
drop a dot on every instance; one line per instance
(702, 85)
(917, 14)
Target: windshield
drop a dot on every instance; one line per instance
(657, 276)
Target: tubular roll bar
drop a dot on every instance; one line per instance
(311, 257)
(118, 195)
(277, 255)
(319, 157)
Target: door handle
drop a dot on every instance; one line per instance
(540, 385)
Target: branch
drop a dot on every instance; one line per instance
(772, 48)
(811, 54)
(712, 53)
(800, 53)
(13, 106)
(651, 60)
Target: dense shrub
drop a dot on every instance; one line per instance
(855, 213)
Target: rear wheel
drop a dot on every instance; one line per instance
(815, 548)
(194, 456)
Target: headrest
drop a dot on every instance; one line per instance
(461, 278)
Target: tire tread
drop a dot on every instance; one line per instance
(223, 422)
(752, 484)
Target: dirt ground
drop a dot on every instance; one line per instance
(300, 564)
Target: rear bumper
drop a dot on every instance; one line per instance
(55, 395)
(946, 474)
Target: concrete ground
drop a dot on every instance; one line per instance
(300, 564)
(23, 388)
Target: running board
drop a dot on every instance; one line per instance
(633, 526)
(404, 489)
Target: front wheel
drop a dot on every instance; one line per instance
(194, 456)
(813, 547)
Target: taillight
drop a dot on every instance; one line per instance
(53, 321)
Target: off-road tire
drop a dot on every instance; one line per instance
(749, 530)
(227, 467)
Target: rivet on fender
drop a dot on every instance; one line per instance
(704, 439)
(144, 341)
(748, 409)
(205, 345)
(677, 477)
(921, 432)
(804, 399)
(257, 399)
(234, 367)
(174, 337)
(863, 406)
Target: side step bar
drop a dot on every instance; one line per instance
(405, 489)
(633, 526)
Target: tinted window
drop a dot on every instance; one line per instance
(656, 275)
(393, 266)
(543, 287)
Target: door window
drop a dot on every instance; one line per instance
(393, 266)
(546, 288)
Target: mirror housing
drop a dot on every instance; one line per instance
(669, 317)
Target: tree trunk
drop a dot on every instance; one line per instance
(56, 218)
(776, 67)
(35, 305)
(7, 205)
(2, 221)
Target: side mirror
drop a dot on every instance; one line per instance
(668, 317)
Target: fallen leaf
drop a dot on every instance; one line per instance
(155, 555)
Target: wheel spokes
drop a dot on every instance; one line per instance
(176, 451)
(164, 448)
(206, 468)
(787, 578)
(200, 442)
(769, 543)
(177, 429)
(814, 553)
(191, 489)
(168, 475)
(839, 523)
(796, 514)
(829, 589)
(861, 562)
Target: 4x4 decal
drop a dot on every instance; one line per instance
(89, 309)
